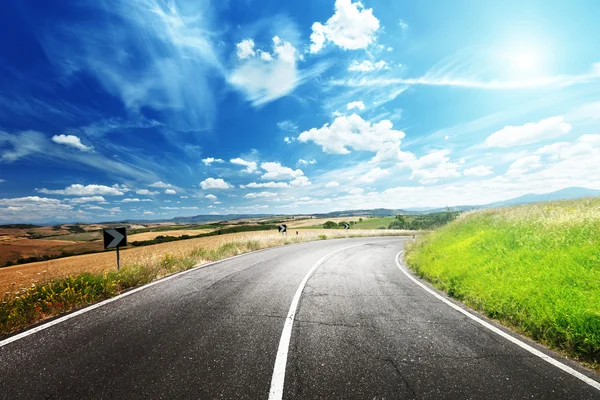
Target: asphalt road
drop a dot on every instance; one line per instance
(362, 330)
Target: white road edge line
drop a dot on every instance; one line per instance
(506, 336)
(105, 302)
(277, 381)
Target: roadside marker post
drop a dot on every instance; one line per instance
(115, 238)
(346, 226)
(282, 229)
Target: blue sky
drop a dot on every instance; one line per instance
(148, 109)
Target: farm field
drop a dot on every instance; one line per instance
(13, 279)
(13, 249)
(176, 233)
(318, 222)
(534, 267)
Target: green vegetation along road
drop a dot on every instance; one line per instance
(534, 267)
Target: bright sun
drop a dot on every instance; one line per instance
(524, 61)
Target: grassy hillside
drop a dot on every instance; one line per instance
(535, 267)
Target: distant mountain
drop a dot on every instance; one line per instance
(563, 194)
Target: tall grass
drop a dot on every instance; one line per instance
(534, 267)
(40, 301)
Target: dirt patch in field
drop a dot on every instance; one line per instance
(12, 250)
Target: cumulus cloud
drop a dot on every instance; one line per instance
(260, 194)
(307, 162)
(529, 133)
(367, 66)
(251, 166)
(71, 141)
(160, 184)
(481, 170)
(32, 207)
(131, 200)
(145, 192)
(212, 183)
(351, 27)
(210, 160)
(269, 185)
(277, 172)
(147, 212)
(332, 184)
(90, 199)
(245, 48)
(373, 175)
(267, 78)
(354, 132)
(356, 104)
(88, 190)
(211, 197)
(523, 165)
(433, 167)
(300, 181)
(170, 191)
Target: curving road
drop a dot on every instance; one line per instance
(361, 329)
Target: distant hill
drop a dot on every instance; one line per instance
(563, 194)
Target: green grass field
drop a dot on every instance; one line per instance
(534, 267)
(373, 223)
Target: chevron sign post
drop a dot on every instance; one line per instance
(115, 238)
(282, 228)
(346, 226)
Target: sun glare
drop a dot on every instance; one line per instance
(524, 61)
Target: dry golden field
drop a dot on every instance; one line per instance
(15, 278)
(176, 233)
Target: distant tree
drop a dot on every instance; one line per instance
(381, 227)
(329, 225)
(360, 220)
(352, 223)
(342, 223)
(395, 224)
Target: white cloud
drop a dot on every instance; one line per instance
(354, 132)
(277, 172)
(212, 183)
(403, 25)
(32, 207)
(265, 56)
(288, 139)
(332, 184)
(210, 160)
(245, 48)
(433, 167)
(71, 141)
(367, 66)
(529, 133)
(260, 194)
(374, 174)
(356, 104)
(269, 185)
(88, 190)
(351, 27)
(307, 162)
(2, 180)
(170, 191)
(300, 181)
(480, 170)
(523, 165)
(251, 166)
(145, 192)
(81, 200)
(211, 197)
(131, 200)
(287, 126)
(263, 81)
(160, 184)
(183, 197)
(148, 213)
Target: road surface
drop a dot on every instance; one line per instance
(362, 330)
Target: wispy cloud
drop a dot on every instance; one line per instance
(436, 78)
(149, 53)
